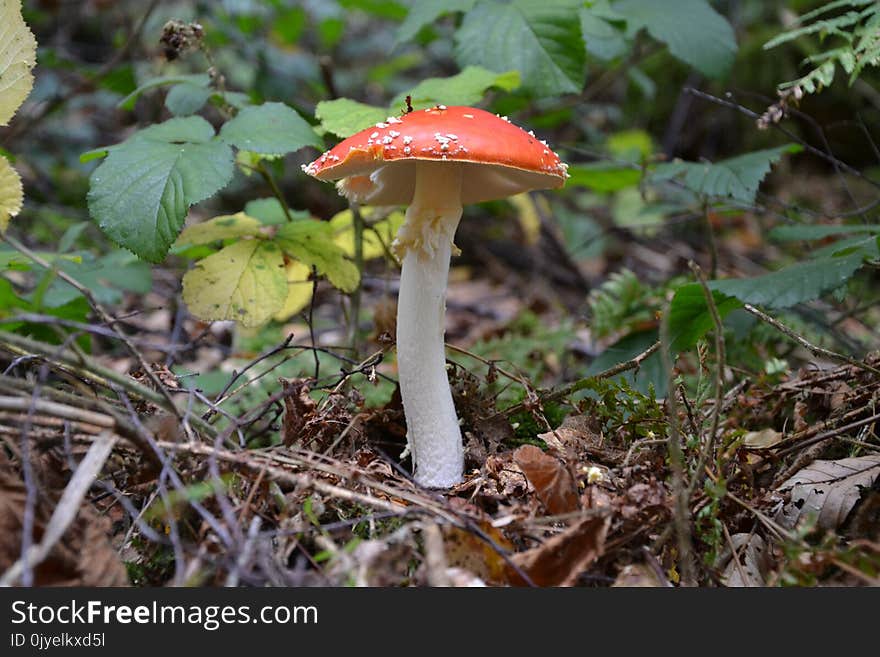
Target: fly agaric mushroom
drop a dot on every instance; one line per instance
(434, 161)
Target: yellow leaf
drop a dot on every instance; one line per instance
(299, 290)
(245, 282)
(18, 54)
(378, 233)
(11, 193)
(224, 227)
(527, 214)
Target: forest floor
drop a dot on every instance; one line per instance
(176, 452)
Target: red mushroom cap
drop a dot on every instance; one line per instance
(501, 159)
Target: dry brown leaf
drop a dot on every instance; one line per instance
(639, 575)
(763, 439)
(468, 551)
(553, 483)
(828, 489)
(752, 562)
(298, 408)
(561, 560)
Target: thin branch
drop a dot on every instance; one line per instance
(812, 348)
(720, 358)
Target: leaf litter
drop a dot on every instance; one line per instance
(299, 481)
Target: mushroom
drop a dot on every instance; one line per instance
(434, 160)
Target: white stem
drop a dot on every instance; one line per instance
(425, 240)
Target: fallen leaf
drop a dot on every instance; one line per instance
(752, 562)
(553, 483)
(298, 408)
(470, 552)
(83, 556)
(764, 439)
(828, 489)
(562, 558)
(639, 575)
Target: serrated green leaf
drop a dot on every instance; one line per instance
(794, 284)
(141, 193)
(245, 282)
(311, 242)
(220, 228)
(186, 98)
(808, 232)
(694, 32)
(424, 12)
(737, 178)
(18, 54)
(689, 318)
(344, 117)
(197, 79)
(536, 37)
(270, 128)
(465, 88)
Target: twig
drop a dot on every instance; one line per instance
(681, 514)
(807, 147)
(720, 357)
(357, 221)
(800, 444)
(814, 349)
(571, 388)
(87, 368)
(312, 322)
(108, 319)
(67, 507)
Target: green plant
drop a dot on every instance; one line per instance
(855, 23)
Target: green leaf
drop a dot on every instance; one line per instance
(465, 88)
(630, 145)
(197, 79)
(602, 39)
(344, 117)
(141, 193)
(536, 37)
(603, 176)
(106, 277)
(381, 8)
(424, 12)
(270, 128)
(737, 178)
(245, 282)
(807, 232)
(311, 242)
(689, 318)
(694, 32)
(187, 98)
(220, 228)
(270, 212)
(794, 284)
